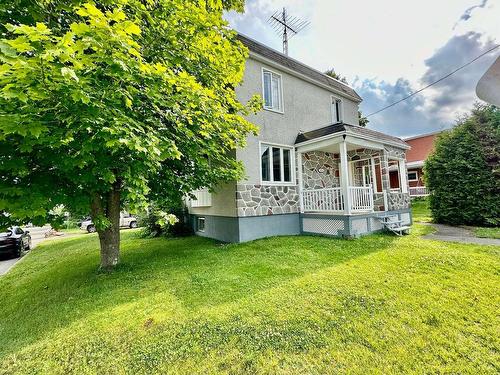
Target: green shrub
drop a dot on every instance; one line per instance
(158, 222)
(463, 172)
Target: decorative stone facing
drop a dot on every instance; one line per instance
(398, 201)
(260, 200)
(320, 170)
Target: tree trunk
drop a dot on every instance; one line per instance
(109, 238)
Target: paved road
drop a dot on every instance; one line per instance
(37, 235)
(458, 234)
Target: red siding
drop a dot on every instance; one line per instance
(420, 181)
(420, 147)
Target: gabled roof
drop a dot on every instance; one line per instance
(298, 67)
(355, 130)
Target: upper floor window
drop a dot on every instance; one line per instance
(272, 91)
(337, 111)
(276, 163)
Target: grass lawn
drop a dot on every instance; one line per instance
(421, 211)
(487, 232)
(290, 305)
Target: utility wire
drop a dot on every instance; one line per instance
(433, 83)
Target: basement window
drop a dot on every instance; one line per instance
(200, 225)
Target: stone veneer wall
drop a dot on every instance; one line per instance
(261, 200)
(395, 200)
(320, 170)
(398, 201)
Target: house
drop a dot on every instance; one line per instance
(312, 168)
(421, 147)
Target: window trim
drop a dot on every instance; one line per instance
(341, 117)
(416, 176)
(292, 181)
(198, 219)
(282, 111)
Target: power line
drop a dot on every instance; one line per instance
(433, 83)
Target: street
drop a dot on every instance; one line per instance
(37, 235)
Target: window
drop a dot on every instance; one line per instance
(276, 164)
(202, 198)
(19, 231)
(272, 91)
(336, 110)
(200, 225)
(413, 176)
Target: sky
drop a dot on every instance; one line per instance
(389, 48)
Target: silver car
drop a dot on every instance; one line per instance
(126, 221)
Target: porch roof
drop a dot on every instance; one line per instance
(354, 130)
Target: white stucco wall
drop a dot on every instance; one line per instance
(223, 202)
(306, 107)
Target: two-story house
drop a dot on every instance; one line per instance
(312, 168)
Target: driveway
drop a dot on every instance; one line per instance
(458, 234)
(37, 235)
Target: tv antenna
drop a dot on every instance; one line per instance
(286, 26)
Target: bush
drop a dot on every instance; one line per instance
(158, 223)
(463, 172)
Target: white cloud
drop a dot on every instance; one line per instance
(386, 42)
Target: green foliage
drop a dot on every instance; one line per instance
(363, 121)
(463, 173)
(332, 73)
(287, 305)
(129, 95)
(170, 222)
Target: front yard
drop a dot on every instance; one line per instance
(280, 305)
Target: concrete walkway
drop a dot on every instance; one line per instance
(458, 234)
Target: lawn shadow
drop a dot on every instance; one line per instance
(198, 272)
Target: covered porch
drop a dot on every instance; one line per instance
(348, 170)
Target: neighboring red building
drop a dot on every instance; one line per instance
(421, 147)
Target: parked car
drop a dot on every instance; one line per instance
(15, 241)
(126, 220)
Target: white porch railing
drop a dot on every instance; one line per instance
(361, 198)
(332, 199)
(418, 191)
(329, 199)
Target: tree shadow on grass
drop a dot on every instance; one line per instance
(60, 283)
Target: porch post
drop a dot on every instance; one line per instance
(299, 182)
(344, 177)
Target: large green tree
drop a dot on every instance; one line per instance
(463, 173)
(106, 104)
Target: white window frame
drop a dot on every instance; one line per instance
(272, 109)
(341, 107)
(282, 171)
(198, 220)
(416, 176)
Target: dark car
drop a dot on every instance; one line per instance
(15, 241)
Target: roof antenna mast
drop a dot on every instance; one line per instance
(286, 26)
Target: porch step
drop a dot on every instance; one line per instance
(393, 224)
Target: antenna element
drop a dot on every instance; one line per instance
(286, 26)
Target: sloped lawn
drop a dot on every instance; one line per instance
(291, 305)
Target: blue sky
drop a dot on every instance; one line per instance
(389, 48)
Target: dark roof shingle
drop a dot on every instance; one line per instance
(296, 66)
(353, 129)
